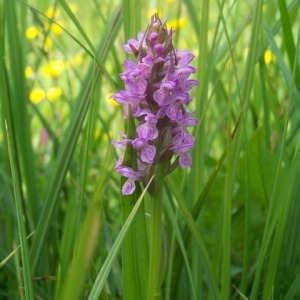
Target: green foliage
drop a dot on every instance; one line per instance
(230, 224)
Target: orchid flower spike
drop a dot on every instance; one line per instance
(157, 90)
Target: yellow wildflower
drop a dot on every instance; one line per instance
(75, 61)
(269, 56)
(29, 73)
(106, 135)
(47, 43)
(53, 68)
(37, 95)
(56, 29)
(111, 101)
(52, 12)
(97, 132)
(177, 24)
(32, 32)
(54, 93)
(229, 63)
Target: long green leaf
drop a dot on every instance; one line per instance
(174, 258)
(289, 41)
(86, 245)
(132, 14)
(135, 246)
(205, 260)
(275, 211)
(294, 289)
(27, 275)
(72, 16)
(106, 267)
(285, 203)
(18, 104)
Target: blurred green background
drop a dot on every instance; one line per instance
(232, 220)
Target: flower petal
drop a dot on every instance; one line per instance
(128, 187)
(185, 160)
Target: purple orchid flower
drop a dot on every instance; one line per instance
(157, 87)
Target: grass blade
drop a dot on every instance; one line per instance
(289, 40)
(206, 263)
(18, 106)
(86, 246)
(104, 272)
(27, 277)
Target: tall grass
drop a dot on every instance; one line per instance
(230, 224)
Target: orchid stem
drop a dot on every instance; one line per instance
(155, 239)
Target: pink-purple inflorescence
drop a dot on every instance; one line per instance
(156, 92)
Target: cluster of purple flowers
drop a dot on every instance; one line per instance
(156, 92)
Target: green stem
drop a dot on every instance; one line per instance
(135, 245)
(134, 252)
(156, 207)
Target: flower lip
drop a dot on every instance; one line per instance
(122, 143)
(182, 142)
(184, 58)
(128, 172)
(147, 131)
(147, 151)
(125, 97)
(185, 160)
(132, 43)
(128, 187)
